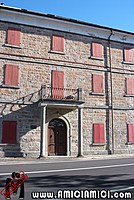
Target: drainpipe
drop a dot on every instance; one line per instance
(80, 131)
(111, 84)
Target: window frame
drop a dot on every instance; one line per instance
(126, 87)
(7, 72)
(15, 45)
(128, 133)
(2, 138)
(124, 56)
(97, 57)
(52, 45)
(56, 91)
(104, 135)
(101, 93)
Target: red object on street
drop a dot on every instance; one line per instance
(14, 184)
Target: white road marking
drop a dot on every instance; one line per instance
(122, 189)
(73, 169)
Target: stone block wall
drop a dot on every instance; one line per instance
(28, 130)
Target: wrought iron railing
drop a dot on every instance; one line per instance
(60, 93)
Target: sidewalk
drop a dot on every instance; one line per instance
(4, 161)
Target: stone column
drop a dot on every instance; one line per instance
(80, 131)
(43, 145)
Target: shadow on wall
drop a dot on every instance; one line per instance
(27, 118)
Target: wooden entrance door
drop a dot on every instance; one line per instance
(51, 141)
(57, 138)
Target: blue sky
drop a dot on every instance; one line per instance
(117, 14)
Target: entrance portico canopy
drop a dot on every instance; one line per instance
(59, 104)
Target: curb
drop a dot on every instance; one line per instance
(60, 159)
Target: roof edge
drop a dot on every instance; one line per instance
(21, 10)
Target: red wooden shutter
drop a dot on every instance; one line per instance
(102, 138)
(97, 83)
(96, 133)
(128, 55)
(130, 132)
(9, 132)
(13, 36)
(57, 84)
(11, 75)
(99, 133)
(96, 49)
(58, 43)
(130, 86)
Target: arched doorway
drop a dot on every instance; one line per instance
(57, 138)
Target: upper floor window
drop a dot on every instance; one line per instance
(11, 75)
(97, 50)
(128, 55)
(13, 36)
(58, 43)
(130, 86)
(57, 84)
(97, 83)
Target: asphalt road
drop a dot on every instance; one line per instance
(109, 178)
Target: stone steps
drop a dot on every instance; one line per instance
(10, 151)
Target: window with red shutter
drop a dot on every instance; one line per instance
(13, 36)
(9, 131)
(57, 43)
(97, 83)
(57, 84)
(11, 75)
(128, 55)
(97, 50)
(130, 86)
(99, 136)
(130, 132)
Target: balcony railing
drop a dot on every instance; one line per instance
(60, 93)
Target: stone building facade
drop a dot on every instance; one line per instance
(66, 86)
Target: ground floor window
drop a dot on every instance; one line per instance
(99, 135)
(9, 132)
(130, 132)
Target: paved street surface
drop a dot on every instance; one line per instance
(113, 175)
